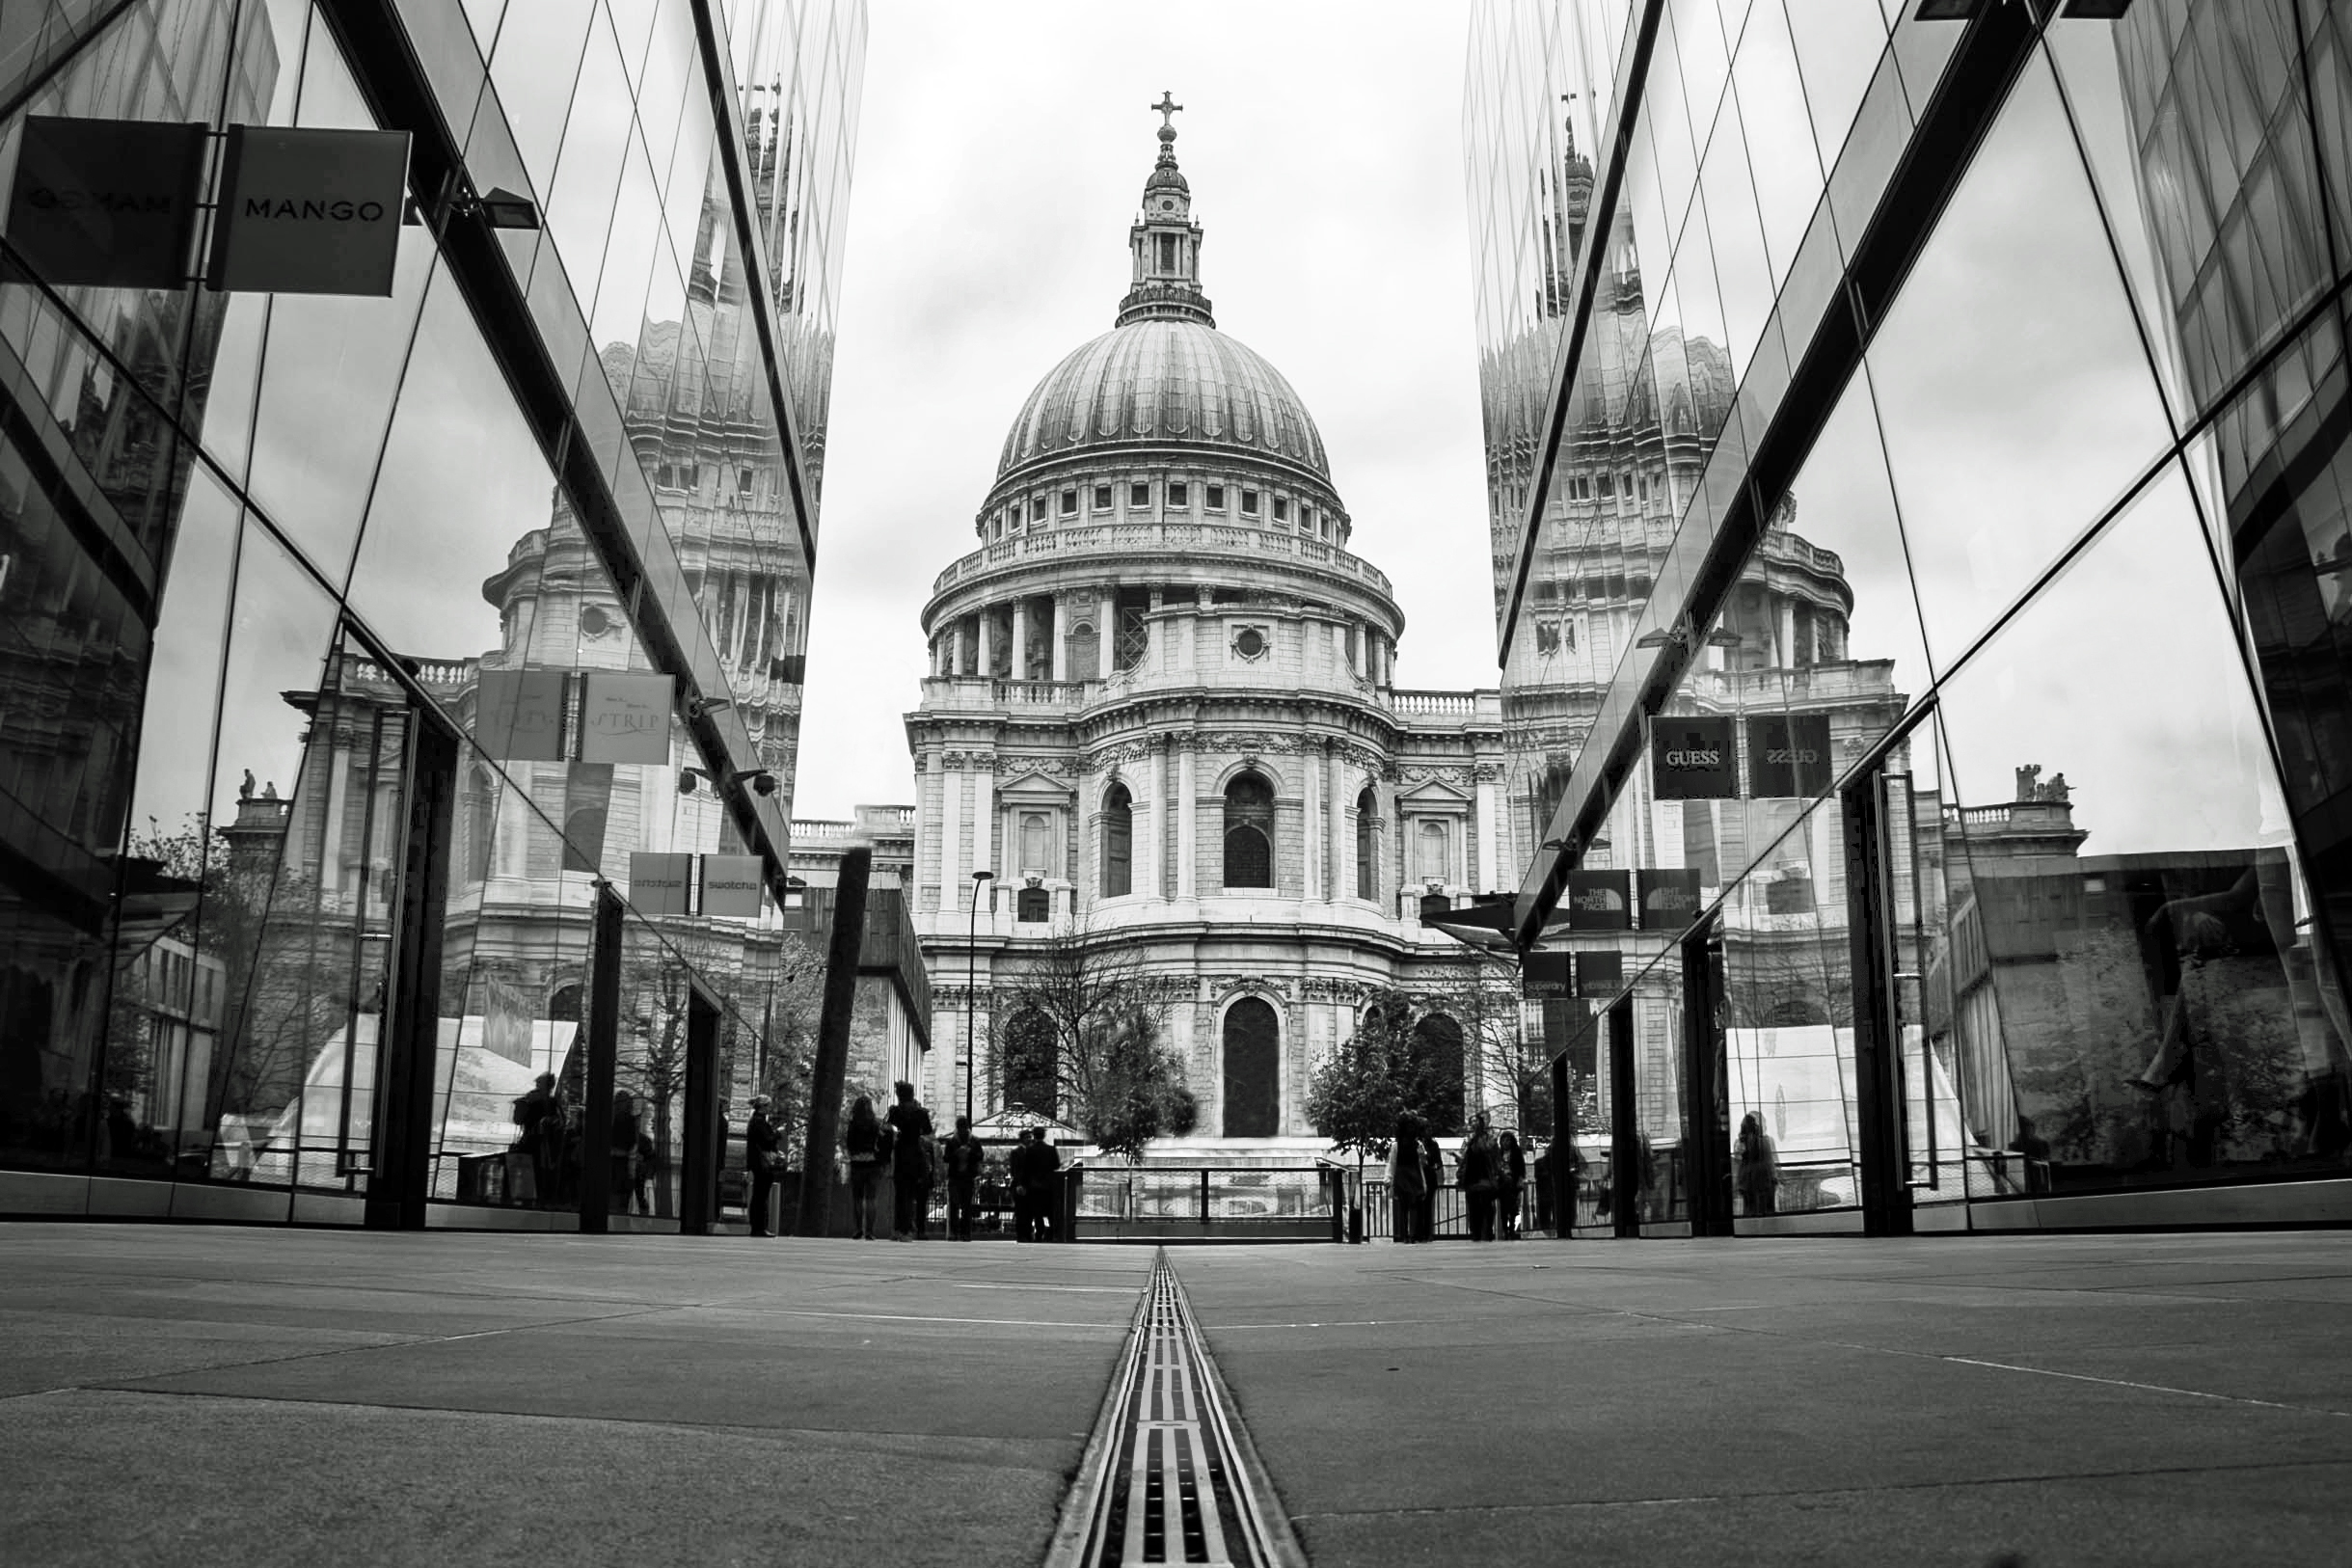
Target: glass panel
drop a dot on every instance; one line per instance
(2059, 403)
(1660, 1193)
(282, 892)
(595, 139)
(1783, 165)
(2168, 1011)
(533, 67)
(1837, 53)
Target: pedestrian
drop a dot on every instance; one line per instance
(1406, 1182)
(1758, 1166)
(1016, 1176)
(910, 1159)
(1478, 1176)
(1045, 1188)
(863, 1139)
(1511, 1183)
(539, 1118)
(762, 1153)
(964, 1156)
(628, 1131)
(1433, 1181)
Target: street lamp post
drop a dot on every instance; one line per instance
(971, 986)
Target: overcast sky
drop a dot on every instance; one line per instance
(1001, 155)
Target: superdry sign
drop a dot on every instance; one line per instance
(110, 203)
(1693, 759)
(309, 212)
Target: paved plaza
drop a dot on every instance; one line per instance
(189, 1394)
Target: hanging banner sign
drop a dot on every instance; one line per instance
(1669, 898)
(1693, 759)
(625, 717)
(110, 202)
(731, 885)
(1599, 976)
(1789, 755)
(308, 211)
(517, 714)
(1546, 976)
(1599, 901)
(658, 884)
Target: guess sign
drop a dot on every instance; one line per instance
(1789, 756)
(1693, 759)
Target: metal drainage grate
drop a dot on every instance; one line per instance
(1168, 1478)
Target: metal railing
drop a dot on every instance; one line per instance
(1263, 1203)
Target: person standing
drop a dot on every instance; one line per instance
(539, 1124)
(763, 1151)
(626, 1168)
(1433, 1178)
(862, 1139)
(1405, 1179)
(1016, 1176)
(1476, 1175)
(910, 1151)
(1757, 1166)
(964, 1157)
(1511, 1183)
(1045, 1189)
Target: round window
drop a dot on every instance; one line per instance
(594, 622)
(1166, 205)
(1250, 643)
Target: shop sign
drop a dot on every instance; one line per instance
(625, 716)
(1599, 901)
(517, 714)
(658, 884)
(731, 885)
(1693, 759)
(308, 211)
(1600, 976)
(1669, 898)
(1789, 755)
(108, 202)
(1544, 976)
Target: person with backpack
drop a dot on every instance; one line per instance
(910, 1160)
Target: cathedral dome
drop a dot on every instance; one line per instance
(1160, 383)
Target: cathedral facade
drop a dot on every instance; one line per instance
(1163, 711)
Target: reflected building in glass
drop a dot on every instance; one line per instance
(1913, 437)
(315, 867)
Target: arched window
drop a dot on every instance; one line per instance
(1437, 1073)
(1249, 832)
(1118, 843)
(1367, 846)
(1027, 1064)
(1252, 1089)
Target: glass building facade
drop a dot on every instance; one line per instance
(1918, 442)
(284, 932)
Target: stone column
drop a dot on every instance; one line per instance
(1343, 842)
(983, 814)
(950, 831)
(1490, 824)
(1188, 827)
(1061, 637)
(980, 643)
(1785, 623)
(1020, 639)
(1155, 839)
(1312, 799)
(1357, 638)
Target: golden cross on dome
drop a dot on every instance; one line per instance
(1167, 109)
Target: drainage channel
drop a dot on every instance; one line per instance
(1169, 1474)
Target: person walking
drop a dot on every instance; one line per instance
(1511, 1183)
(964, 1156)
(1478, 1176)
(863, 1139)
(1757, 1166)
(762, 1153)
(910, 1151)
(1405, 1183)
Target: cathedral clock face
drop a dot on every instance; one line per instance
(1166, 205)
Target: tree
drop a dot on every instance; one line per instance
(1086, 1023)
(1356, 1096)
